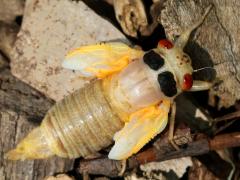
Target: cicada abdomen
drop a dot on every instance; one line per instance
(80, 125)
(84, 122)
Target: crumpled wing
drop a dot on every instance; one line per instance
(142, 127)
(101, 60)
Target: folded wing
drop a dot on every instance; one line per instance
(142, 127)
(101, 60)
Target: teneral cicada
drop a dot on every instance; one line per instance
(128, 103)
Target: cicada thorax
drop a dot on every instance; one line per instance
(134, 88)
(82, 123)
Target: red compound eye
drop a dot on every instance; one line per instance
(165, 44)
(187, 82)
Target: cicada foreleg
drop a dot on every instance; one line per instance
(201, 85)
(171, 126)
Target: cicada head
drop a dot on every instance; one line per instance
(171, 67)
(178, 62)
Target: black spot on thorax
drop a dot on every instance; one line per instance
(153, 60)
(167, 83)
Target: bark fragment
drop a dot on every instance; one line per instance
(215, 43)
(21, 109)
(10, 9)
(8, 34)
(49, 30)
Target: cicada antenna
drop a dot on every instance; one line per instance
(200, 69)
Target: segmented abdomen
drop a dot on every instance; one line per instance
(82, 123)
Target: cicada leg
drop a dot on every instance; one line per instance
(123, 167)
(171, 126)
(201, 85)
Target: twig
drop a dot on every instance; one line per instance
(229, 116)
(227, 119)
(223, 126)
(111, 168)
(225, 141)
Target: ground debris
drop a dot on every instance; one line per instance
(9, 10)
(198, 171)
(49, 30)
(178, 166)
(59, 177)
(8, 34)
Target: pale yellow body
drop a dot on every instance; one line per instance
(83, 123)
(87, 120)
